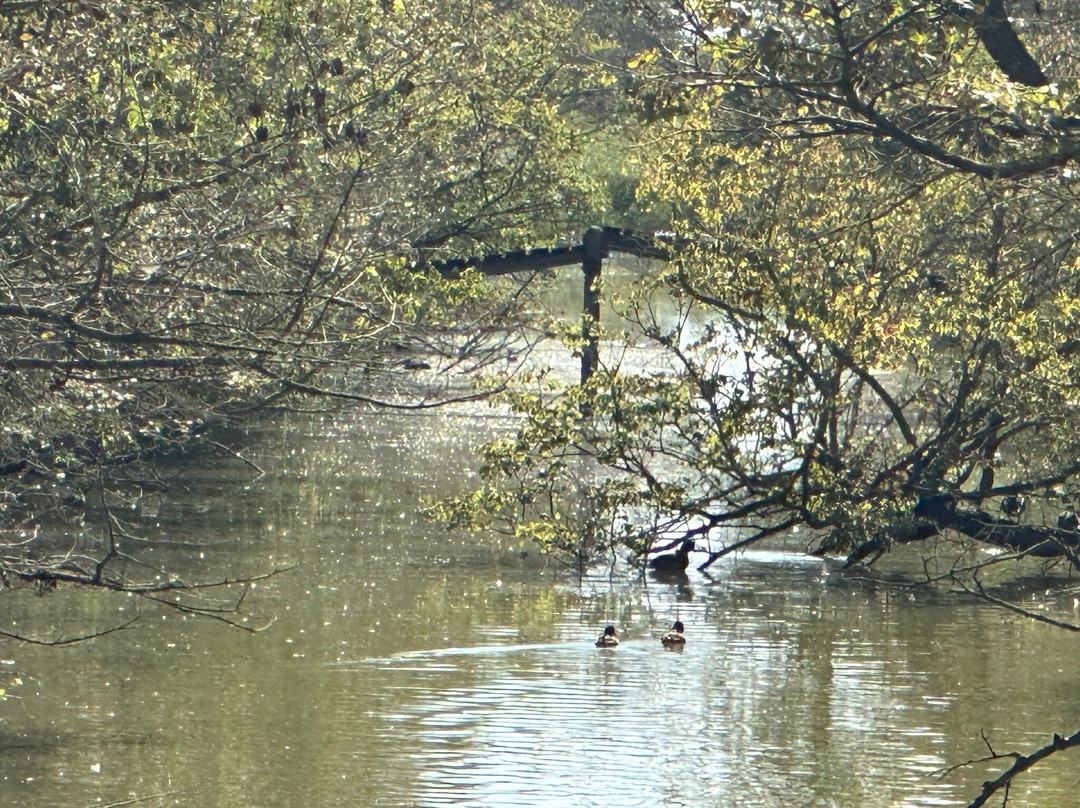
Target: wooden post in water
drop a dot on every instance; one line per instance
(595, 245)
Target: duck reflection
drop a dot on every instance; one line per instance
(679, 581)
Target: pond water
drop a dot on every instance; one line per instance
(402, 665)
(406, 666)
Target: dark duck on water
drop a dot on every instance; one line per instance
(608, 638)
(674, 637)
(673, 562)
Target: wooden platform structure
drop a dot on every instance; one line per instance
(597, 243)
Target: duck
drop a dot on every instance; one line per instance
(674, 636)
(673, 562)
(608, 638)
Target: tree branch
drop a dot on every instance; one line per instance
(1021, 763)
(68, 640)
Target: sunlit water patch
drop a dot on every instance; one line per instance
(783, 695)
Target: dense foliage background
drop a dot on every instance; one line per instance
(876, 335)
(211, 208)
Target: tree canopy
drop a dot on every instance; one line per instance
(875, 336)
(210, 205)
(869, 337)
(214, 207)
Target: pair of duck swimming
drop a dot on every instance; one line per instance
(669, 563)
(671, 638)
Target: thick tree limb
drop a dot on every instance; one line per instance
(938, 513)
(1005, 48)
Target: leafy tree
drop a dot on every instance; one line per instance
(876, 318)
(214, 207)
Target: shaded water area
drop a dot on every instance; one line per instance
(412, 667)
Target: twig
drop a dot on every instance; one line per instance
(1012, 607)
(240, 457)
(761, 534)
(418, 405)
(942, 773)
(68, 640)
(141, 589)
(135, 800)
(229, 616)
(1022, 763)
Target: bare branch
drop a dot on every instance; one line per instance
(1021, 763)
(68, 640)
(1012, 607)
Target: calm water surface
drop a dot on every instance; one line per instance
(405, 666)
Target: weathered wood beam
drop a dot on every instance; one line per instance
(507, 263)
(597, 243)
(606, 239)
